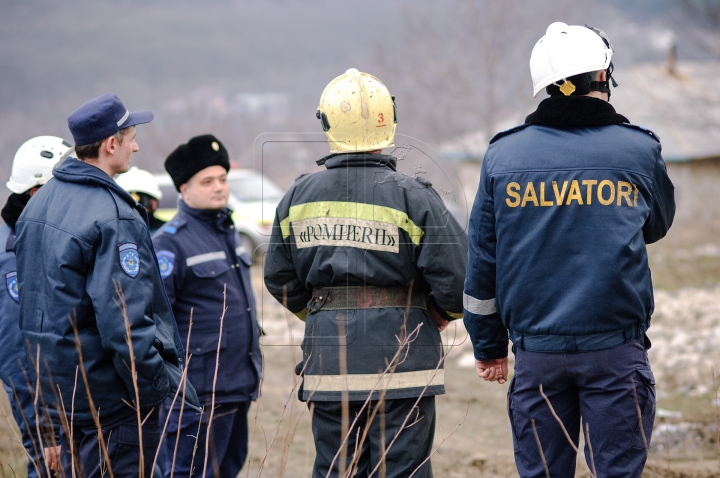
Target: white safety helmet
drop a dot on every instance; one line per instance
(357, 113)
(568, 50)
(138, 180)
(34, 162)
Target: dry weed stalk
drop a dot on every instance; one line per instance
(277, 429)
(397, 359)
(217, 366)
(91, 403)
(291, 428)
(589, 444)
(120, 302)
(18, 439)
(467, 410)
(183, 385)
(540, 449)
(567, 435)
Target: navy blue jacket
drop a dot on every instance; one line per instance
(15, 370)
(79, 239)
(200, 253)
(557, 254)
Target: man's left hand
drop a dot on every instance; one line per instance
(52, 457)
(439, 320)
(493, 370)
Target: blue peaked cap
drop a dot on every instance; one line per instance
(102, 117)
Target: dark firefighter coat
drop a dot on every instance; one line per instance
(565, 206)
(201, 255)
(81, 241)
(362, 223)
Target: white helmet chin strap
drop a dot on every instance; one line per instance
(603, 86)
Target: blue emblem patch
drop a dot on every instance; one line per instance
(166, 261)
(12, 285)
(129, 258)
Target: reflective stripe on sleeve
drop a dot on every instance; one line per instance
(207, 257)
(372, 381)
(480, 307)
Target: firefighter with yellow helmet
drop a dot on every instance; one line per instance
(374, 264)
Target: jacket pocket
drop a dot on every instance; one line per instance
(511, 409)
(210, 270)
(645, 392)
(245, 259)
(39, 318)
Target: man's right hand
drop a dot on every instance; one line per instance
(493, 370)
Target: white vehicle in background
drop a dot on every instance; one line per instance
(253, 198)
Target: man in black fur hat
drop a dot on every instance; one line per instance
(557, 261)
(206, 271)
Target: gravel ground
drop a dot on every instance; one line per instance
(685, 335)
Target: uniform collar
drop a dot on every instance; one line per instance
(574, 112)
(211, 216)
(337, 160)
(73, 170)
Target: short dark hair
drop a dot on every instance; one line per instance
(92, 150)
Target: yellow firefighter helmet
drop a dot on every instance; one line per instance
(357, 113)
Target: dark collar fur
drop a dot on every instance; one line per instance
(574, 112)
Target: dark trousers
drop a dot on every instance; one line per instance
(412, 446)
(604, 388)
(228, 441)
(122, 440)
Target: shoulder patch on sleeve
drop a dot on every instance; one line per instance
(166, 262)
(11, 284)
(643, 129)
(129, 258)
(508, 131)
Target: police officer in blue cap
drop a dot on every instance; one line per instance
(206, 271)
(557, 261)
(92, 304)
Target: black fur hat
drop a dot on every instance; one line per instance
(197, 154)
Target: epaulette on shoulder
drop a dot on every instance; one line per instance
(643, 129)
(423, 181)
(173, 226)
(508, 131)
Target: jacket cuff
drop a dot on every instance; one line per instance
(449, 316)
(497, 352)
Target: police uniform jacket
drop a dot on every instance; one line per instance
(566, 204)
(16, 371)
(363, 223)
(201, 256)
(86, 264)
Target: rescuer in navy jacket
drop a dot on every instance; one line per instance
(32, 167)
(557, 258)
(86, 265)
(205, 268)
